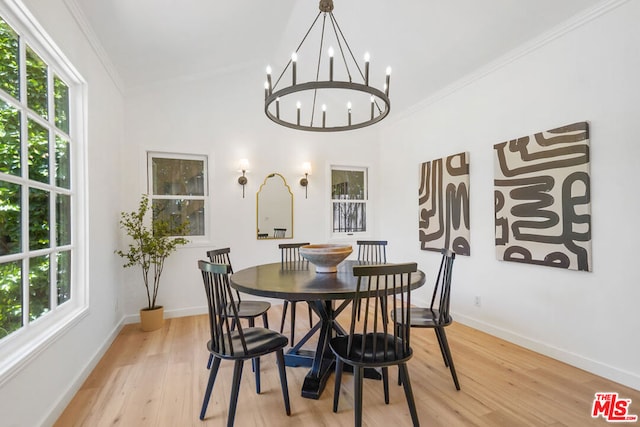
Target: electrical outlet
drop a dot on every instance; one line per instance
(476, 301)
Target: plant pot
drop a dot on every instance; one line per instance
(151, 319)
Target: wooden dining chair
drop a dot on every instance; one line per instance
(436, 316)
(235, 343)
(246, 309)
(373, 342)
(290, 258)
(372, 251)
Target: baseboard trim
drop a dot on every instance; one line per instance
(612, 373)
(82, 376)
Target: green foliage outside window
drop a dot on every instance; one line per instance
(48, 275)
(9, 50)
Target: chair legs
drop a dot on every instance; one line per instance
(447, 355)
(235, 390)
(283, 380)
(256, 367)
(293, 319)
(358, 372)
(284, 316)
(210, 360)
(336, 392)
(212, 379)
(408, 392)
(442, 349)
(385, 384)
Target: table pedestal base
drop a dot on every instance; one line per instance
(322, 360)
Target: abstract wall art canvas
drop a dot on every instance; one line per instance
(542, 198)
(444, 204)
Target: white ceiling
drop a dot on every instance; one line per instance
(428, 43)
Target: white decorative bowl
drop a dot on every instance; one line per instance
(325, 257)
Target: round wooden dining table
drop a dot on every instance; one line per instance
(300, 282)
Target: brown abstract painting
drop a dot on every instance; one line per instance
(444, 204)
(542, 198)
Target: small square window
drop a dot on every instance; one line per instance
(178, 190)
(349, 199)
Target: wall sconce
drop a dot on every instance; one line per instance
(244, 168)
(306, 167)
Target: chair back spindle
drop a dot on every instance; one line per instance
(441, 298)
(290, 255)
(372, 251)
(221, 256)
(221, 321)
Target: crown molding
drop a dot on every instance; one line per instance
(94, 42)
(526, 48)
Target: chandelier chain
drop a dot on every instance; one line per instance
(333, 20)
(344, 59)
(297, 49)
(315, 91)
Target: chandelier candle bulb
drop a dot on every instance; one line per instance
(386, 85)
(372, 104)
(330, 64)
(366, 69)
(266, 90)
(349, 111)
(269, 78)
(324, 115)
(298, 105)
(294, 60)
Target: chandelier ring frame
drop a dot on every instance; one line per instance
(303, 87)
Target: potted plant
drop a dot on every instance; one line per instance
(150, 248)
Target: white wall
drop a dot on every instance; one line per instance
(587, 319)
(221, 115)
(37, 393)
(589, 73)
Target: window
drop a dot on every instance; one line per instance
(41, 260)
(349, 199)
(178, 190)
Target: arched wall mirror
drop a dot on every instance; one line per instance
(274, 209)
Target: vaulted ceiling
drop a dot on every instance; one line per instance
(429, 43)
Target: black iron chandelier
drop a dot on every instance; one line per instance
(336, 104)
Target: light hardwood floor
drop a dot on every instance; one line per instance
(158, 379)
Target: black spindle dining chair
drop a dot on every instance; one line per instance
(374, 342)
(248, 309)
(235, 343)
(437, 316)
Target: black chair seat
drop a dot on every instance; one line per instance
(260, 341)
(249, 309)
(422, 317)
(382, 356)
